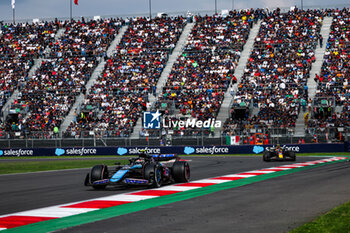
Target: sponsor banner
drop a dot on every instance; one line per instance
(78, 151)
(347, 146)
(17, 152)
(188, 150)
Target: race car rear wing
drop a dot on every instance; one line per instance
(164, 157)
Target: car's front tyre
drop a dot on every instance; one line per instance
(98, 172)
(267, 156)
(181, 172)
(153, 174)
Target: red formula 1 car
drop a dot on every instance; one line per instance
(278, 153)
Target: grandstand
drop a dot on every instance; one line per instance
(331, 103)
(281, 76)
(276, 75)
(203, 72)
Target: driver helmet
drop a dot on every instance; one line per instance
(143, 151)
(139, 160)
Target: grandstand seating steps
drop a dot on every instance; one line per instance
(165, 74)
(255, 111)
(245, 54)
(172, 59)
(58, 35)
(33, 69)
(80, 99)
(338, 109)
(316, 69)
(15, 94)
(116, 41)
(96, 73)
(319, 53)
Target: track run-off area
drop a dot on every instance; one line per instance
(234, 194)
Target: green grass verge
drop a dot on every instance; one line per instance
(335, 221)
(10, 167)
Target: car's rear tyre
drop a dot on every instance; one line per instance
(98, 172)
(266, 156)
(291, 155)
(153, 174)
(181, 172)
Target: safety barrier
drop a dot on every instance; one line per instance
(189, 150)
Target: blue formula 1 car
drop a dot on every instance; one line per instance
(146, 170)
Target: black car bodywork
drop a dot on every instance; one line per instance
(147, 170)
(278, 154)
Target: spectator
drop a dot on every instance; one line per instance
(332, 83)
(276, 74)
(51, 91)
(321, 40)
(203, 72)
(120, 94)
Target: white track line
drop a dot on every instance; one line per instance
(213, 181)
(257, 171)
(55, 212)
(177, 188)
(126, 197)
(242, 176)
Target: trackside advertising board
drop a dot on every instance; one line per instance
(187, 150)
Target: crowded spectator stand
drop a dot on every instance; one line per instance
(64, 71)
(130, 75)
(330, 106)
(205, 69)
(277, 71)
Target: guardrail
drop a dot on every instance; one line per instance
(199, 137)
(189, 150)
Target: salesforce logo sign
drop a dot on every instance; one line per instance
(188, 150)
(122, 151)
(16, 152)
(258, 149)
(206, 150)
(59, 151)
(76, 151)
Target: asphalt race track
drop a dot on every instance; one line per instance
(274, 205)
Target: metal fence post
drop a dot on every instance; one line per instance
(202, 137)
